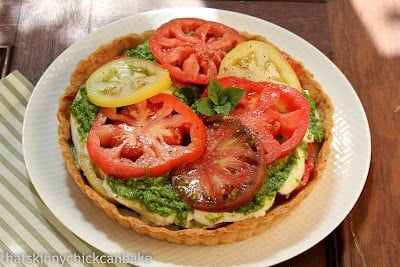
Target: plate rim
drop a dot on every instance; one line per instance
(232, 13)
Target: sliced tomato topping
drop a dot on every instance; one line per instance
(309, 166)
(192, 49)
(126, 80)
(228, 174)
(149, 138)
(260, 62)
(277, 113)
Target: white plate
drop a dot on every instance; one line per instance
(313, 220)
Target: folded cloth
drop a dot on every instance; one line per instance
(29, 233)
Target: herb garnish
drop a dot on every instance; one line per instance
(220, 100)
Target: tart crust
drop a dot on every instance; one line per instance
(221, 235)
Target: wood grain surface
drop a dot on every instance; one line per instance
(362, 37)
(366, 39)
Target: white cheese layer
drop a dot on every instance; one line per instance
(296, 173)
(212, 218)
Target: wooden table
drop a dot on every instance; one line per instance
(362, 37)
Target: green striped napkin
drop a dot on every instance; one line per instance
(29, 234)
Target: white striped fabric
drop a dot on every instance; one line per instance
(27, 228)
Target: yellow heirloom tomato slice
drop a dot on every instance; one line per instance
(126, 81)
(258, 61)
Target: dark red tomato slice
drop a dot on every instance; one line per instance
(192, 49)
(228, 174)
(149, 138)
(277, 113)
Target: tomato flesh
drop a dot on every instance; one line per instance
(309, 166)
(126, 80)
(149, 138)
(192, 49)
(260, 62)
(278, 114)
(228, 174)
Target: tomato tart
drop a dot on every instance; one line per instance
(194, 133)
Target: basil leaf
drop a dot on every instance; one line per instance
(224, 109)
(216, 93)
(205, 107)
(220, 100)
(234, 94)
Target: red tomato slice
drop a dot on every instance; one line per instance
(309, 166)
(149, 138)
(192, 49)
(277, 113)
(228, 174)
